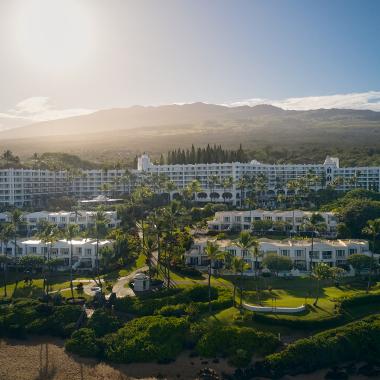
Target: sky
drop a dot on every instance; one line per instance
(62, 58)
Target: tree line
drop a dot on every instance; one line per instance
(208, 155)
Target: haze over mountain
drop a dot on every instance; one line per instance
(157, 129)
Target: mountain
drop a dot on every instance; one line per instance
(138, 117)
(126, 131)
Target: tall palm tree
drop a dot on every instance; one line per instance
(241, 184)
(71, 232)
(246, 243)
(100, 231)
(372, 229)
(6, 235)
(170, 186)
(315, 223)
(321, 272)
(238, 266)
(227, 183)
(212, 182)
(52, 235)
(16, 221)
(213, 252)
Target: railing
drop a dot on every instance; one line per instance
(275, 309)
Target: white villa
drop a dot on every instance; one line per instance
(331, 252)
(20, 187)
(62, 219)
(290, 220)
(84, 250)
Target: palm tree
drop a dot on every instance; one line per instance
(241, 184)
(52, 235)
(246, 242)
(315, 222)
(71, 232)
(16, 222)
(321, 272)
(213, 253)
(213, 181)
(238, 266)
(100, 231)
(227, 183)
(170, 186)
(5, 236)
(372, 229)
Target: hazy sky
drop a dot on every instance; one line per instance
(62, 57)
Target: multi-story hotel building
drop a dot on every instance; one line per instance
(21, 187)
(84, 250)
(276, 176)
(62, 219)
(331, 252)
(287, 220)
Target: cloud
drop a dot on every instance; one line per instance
(360, 101)
(40, 108)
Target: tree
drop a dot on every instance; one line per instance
(100, 231)
(71, 232)
(315, 223)
(238, 266)
(336, 273)
(276, 263)
(227, 183)
(213, 253)
(359, 262)
(372, 229)
(321, 271)
(6, 235)
(4, 261)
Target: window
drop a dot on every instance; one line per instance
(299, 252)
(314, 254)
(340, 253)
(352, 251)
(326, 255)
(285, 252)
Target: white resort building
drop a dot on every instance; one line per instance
(84, 250)
(62, 219)
(20, 187)
(286, 220)
(331, 252)
(276, 176)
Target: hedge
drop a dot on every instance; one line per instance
(224, 341)
(83, 342)
(356, 341)
(22, 317)
(152, 305)
(147, 339)
(102, 322)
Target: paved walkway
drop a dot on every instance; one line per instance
(121, 287)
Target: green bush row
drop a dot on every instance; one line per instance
(356, 341)
(159, 338)
(237, 343)
(21, 317)
(150, 306)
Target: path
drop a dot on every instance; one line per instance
(121, 287)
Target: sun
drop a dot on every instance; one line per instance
(53, 34)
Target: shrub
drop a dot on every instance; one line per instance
(83, 342)
(150, 305)
(103, 322)
(226, 340)
(355, 341)
(146, 339)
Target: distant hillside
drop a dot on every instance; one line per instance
(127, 131)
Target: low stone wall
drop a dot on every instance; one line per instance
(270, 309)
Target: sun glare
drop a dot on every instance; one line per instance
(53, 35)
